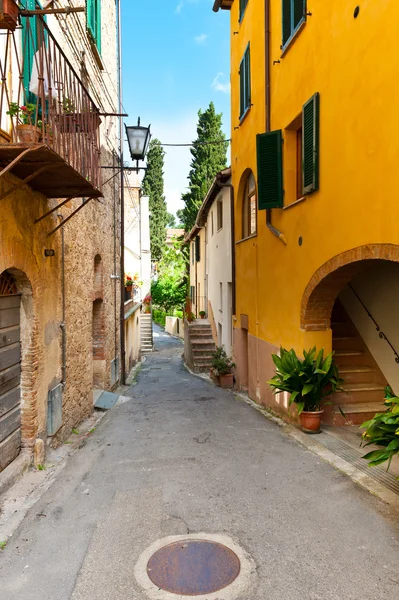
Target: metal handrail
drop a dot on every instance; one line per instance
(380, 333)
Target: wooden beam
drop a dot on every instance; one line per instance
(52, 11)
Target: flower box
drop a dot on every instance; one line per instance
(8, 14)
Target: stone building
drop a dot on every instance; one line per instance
(59, 270)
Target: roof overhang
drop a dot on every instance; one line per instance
(217, 185)
(222, 4)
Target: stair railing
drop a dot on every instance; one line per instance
(380, 333)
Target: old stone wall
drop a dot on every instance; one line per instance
(90, 262)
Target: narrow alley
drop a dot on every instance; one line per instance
(185, 457)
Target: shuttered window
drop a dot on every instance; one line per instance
(294, 14)
(93, 21)
(31, 43)
(270, 170)
(245, 82)
(197, 248)
(243, 6)
(310, 144)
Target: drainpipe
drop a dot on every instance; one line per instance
(273, 229)
(63, 322)
(122, 232)
(233, 244)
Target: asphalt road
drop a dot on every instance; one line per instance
(186, 457)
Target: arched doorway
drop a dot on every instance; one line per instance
(10, 370)
(354, 294)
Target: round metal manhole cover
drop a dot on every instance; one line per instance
(193, 567)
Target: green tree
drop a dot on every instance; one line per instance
(180, 218)
(153, 186)
(208, 159)
(171, 220)
(170, 289)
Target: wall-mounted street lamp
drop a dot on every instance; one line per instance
(138, 138)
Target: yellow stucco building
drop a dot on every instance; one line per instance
(315, 172)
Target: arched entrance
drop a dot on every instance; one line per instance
(354, 294)
(10, 370)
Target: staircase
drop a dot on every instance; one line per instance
(364, 382)
(198, 355)
(146, 337)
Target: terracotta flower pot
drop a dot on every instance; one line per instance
(226, 381)
(311, 421)
(28, 134)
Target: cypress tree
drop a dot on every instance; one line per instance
(207, 160)
(153, 186)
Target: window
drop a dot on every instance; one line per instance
(212, 222)
(243, 6)
(301, 159)
(93, 21)
(192, 252)
(221, 296)
(219, 207)
(197, 248)
(245, 83)
(249, 216)
(192, 294)
(31, 42)
(294, 14)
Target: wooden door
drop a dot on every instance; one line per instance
(10, 371)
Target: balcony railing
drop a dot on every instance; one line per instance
(49, 128)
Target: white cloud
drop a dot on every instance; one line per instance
(219, 84)
(201, 39)
(182, 3)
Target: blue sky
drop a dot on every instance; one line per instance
(175, 61)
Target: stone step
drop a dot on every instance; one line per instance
(359, 374)
(359, 393)
(353, 357)
(356, 414)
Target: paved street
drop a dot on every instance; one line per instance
(186, 457)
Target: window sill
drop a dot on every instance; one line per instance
(293, 38)
(96, 54)
(220, 229)
(243, 116)
(298, 201)
(250, 237)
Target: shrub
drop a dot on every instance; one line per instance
(221, 363)
(383, 430)
(159, 316)
(178, 314)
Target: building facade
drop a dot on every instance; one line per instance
(59, 222)
(314, 169)
(211, 267)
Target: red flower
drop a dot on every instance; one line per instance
(24, 108)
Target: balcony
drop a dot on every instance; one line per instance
(49, 124)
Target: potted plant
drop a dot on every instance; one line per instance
(383, 430)
(27, 131)
(309, 381)
(8, 14)
(128, 287)
(202, 314)
(147, 304)
(222, 368)
(72, 121)
(190, 316)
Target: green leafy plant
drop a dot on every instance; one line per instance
(41, 467)
(202, 313)
(3, 544)
(221, 363)
(308, 380)
(383, 430)
(23, 113)
(190, 317)
(75, 431)
(68, 106)
(159, 316)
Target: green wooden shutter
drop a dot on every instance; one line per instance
(299, 7)
(242, 87)
(286, 21)
(30, 45)
(310, 140)
(270, 169)
(243, 6)
(247, 60)
(93, 21)
(197, 248)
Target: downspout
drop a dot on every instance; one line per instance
(271, 227)
(233, 244)
(63, 322)
(122, 232)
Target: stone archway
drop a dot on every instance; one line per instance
(326, 283)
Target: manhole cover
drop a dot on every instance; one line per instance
(193, 567)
